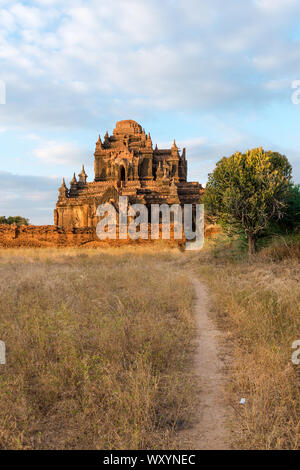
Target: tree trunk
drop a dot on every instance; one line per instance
(251, 245)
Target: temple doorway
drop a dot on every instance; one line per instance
(122, 174)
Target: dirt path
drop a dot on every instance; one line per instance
(208, 431)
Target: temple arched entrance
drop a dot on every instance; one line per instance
(122, 173)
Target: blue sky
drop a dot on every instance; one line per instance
(215, 75)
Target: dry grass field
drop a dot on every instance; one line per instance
(257, 303)
(99, 345)
(97, 349)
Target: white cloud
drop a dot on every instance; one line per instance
(27, 17)
(7, 20)
(162, 55)
(29, 196)
(60, 153)
(275, 5)
(280, 84)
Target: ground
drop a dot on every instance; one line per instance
(97, 347)
(148, 348)
(209, 430)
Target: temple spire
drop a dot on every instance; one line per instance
(82, 176)
(174, 146)
(63, 185)
(63, 190)
(73, 180)
(73, 187)
(149, 141)
(99, 144)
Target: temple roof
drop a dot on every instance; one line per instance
(127, 127)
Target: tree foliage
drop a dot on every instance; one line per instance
(291, 220)
(247, 191)
(17, 220)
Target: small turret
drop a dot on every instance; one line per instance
(106, 140)
(73, 186)
(159, 171)
(73, 180)
(99, 143)
(173, 188)
(182, 170)
(174, 146)
(82, 176)
(149, 141)
(63, 190)
(166, 170)
(174, 150)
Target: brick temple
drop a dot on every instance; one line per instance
(126, 164)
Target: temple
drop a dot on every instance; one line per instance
(126, 164)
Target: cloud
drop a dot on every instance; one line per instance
(276, 5)
(27, 17)
(66, 65)
(60, 153)
(29, 196)
(203, 153)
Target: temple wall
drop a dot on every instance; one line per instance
(36, 236)
(74, 216)
(44, 235)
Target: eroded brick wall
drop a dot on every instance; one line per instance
(44, 235)
(52, 236)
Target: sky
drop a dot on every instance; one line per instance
(217, 76)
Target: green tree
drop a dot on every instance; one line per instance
(247, 191)
(17, 220)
